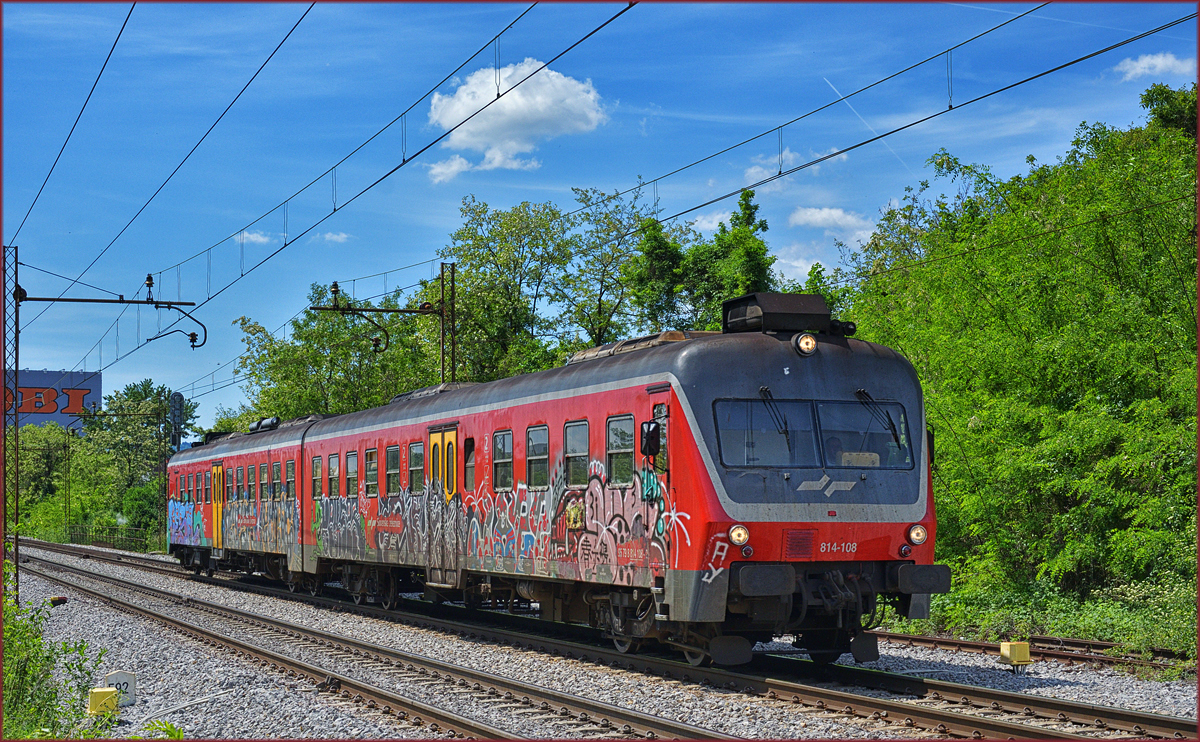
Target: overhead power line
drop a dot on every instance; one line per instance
(803, 116)
(180, 165)
(392, 171)
(72, 131)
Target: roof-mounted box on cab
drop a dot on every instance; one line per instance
(762, 312)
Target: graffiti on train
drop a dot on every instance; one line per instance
(182, 523)
(259, 525)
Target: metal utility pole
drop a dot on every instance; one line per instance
(425, 308)
(10, 477)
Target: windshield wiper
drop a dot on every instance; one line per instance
(880, 415)
(777, 416)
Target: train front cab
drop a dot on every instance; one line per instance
(820, 468)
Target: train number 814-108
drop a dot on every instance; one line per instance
(847, 547)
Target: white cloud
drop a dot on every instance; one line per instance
(440, 172)
(256, 237)
(338, 237)
(709, 222)
(845, 225)
(795, 260)
(1155, 64)
(548, 105)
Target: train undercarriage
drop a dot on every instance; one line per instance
(827, 607)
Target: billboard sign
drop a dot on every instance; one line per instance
(55, 396)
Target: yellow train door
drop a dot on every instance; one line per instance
(218, 497)
(444, 510)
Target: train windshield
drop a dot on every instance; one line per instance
(772, 433)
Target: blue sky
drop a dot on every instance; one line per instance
(660, 87)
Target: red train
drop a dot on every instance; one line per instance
(700, 489)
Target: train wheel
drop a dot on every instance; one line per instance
(389, 598)
(209, 572)
(359, 597)
(315, 586)
(696, 658)
(626, 645)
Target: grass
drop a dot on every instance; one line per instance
(1139, 617)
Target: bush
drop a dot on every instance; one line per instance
(46, 683)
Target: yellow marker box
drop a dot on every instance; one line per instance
(102, 701)
(1015, 653)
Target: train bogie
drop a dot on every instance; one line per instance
(702, 490)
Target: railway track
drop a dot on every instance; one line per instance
(940, 707)
(569, 713)
(1068, 651)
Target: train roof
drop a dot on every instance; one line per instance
(701, 362)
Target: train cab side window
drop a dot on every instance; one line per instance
(620, 450)
(289, 488)
(502, 460)
(469, 465)
(208, 486)
(416, 467)
(276, 481)
(316, 477)
(371, 473)
(264, 491)
(352, 474)
(575, 437)
(392, 462)
(250, 480)
(332, 474)
(537, 457)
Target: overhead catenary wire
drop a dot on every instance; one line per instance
(72, 131)
(180, 165)
(404, 157)
(395, 169)
(819, 159)
(803, 116)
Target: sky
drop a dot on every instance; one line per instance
(660, 87)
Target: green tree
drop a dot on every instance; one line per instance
(592, 290)
(1051, 318)
(653, 274)
(327, 363)
(1171, 109)
(736, 261)
(508, 263)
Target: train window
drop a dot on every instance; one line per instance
(178, 493)
(239, 492)
(575, 436)
(289, 487)
(250, 479)
(502, 465)
(352, 474)
(766, 433)
(435, 472)
(316, 477)
(371, 475)
(537, 457)
(620, 450)
(264, 489)
(416, 467)
(227, 475)
(393, 470)
(451, 467)
(276, 480)
(469, 464)
(660, 416)
(208, 486)
(190, 479)
(332, 474)
(864, 434)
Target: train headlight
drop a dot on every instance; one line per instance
(917, 535)
(739, 535)
(805, 343)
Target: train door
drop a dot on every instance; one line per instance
(444, 508)
(218, 503)
(656, 489)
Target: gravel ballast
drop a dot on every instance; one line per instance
(174, 670)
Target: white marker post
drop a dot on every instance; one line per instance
(126, 685)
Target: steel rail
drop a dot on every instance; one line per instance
(412, 710)
(596, 713)
(1027, 706)
(1037, 652)
(1096, 647)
